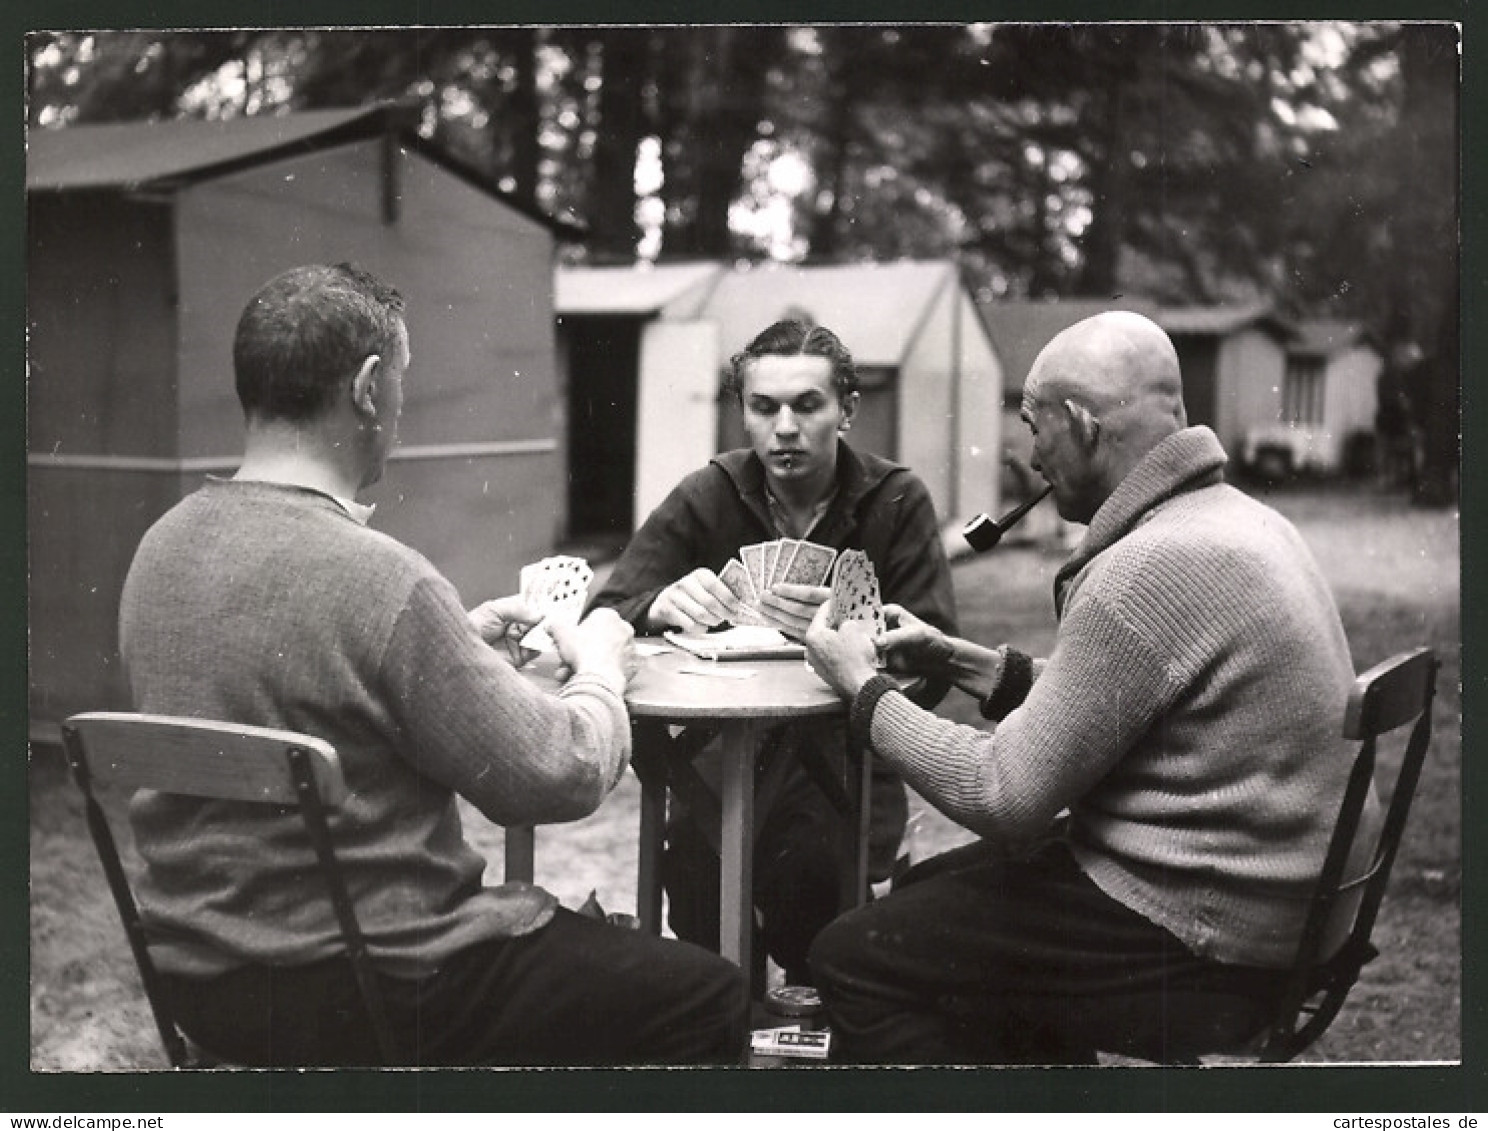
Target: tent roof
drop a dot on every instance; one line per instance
(1221, 320)
(128, 154)
(164, 155)
(1327, 336)
(1021, 329)
(629, 290)
(877, 309)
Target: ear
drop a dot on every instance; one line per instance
(1084, 423)
(363, 385)
(849, 410)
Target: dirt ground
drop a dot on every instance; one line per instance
(1395, 570)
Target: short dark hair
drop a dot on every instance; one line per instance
(792, 338)
(305, 332)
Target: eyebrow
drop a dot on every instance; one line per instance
(806, 395)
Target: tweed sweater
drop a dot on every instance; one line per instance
(1189, 716)
(270, 605)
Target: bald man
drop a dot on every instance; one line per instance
(1153, 800)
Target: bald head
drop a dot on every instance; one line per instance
(1112, 384)
(1114, 363)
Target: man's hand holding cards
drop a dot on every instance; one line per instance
(695, 603)
(555, 588)
(779, 584)
(843, 644)
(855, 594)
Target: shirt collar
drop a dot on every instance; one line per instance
(360, 512)
(781, 521)
(1187, 460)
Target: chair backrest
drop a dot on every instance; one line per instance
(224, 761)
(203, 758)
(1387, 697)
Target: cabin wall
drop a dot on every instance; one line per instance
(1250, 372)
(101, 431)
(472, 484)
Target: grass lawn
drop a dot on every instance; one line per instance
(1395, 571)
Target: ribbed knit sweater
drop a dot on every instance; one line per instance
(269, 605)
(1189, 716)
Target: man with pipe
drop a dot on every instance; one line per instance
(1154, 799)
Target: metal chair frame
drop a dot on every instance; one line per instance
(226, 761)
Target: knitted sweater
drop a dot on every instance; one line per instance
(1189, 716)
(270, 605)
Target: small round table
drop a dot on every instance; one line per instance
(678, 702)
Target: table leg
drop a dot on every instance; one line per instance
(863, 764)
(855, 825)
(648, 760)
(736, 849)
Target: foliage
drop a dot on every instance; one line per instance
(1312, 164)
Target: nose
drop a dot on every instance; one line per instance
(786, 423)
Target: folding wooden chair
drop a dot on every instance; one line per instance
(229, 762)
(1386, 698)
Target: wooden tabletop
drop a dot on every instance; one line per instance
(674, 684)
(678, 685)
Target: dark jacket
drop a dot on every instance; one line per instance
(880, 508)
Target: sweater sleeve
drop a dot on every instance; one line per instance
(468, 720)
(1099, 692)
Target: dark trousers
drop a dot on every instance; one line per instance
(576, 992)
(977, 959)
(799, 857)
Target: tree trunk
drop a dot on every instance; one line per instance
(1102, 243)
(724, 102)
(1430, 285)
(612, 223)
(522, 43)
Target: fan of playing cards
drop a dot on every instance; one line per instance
(854, 582)
(763, 564)
(556, 587)
(855, 594)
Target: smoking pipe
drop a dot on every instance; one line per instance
(982, 533)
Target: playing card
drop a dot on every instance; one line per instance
(740, 584)
(753, 557)
(810, 565)
(772, 556)
(783, 558)
(855, 593)
(557, 588)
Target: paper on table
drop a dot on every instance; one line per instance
(752, 642)
(716, 671)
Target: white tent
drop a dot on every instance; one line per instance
(932, 383)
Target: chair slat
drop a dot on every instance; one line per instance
(232, 762)
(1390, 694)
(203, 758)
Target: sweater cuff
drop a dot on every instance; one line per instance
(1012, 688)
(860, 717)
